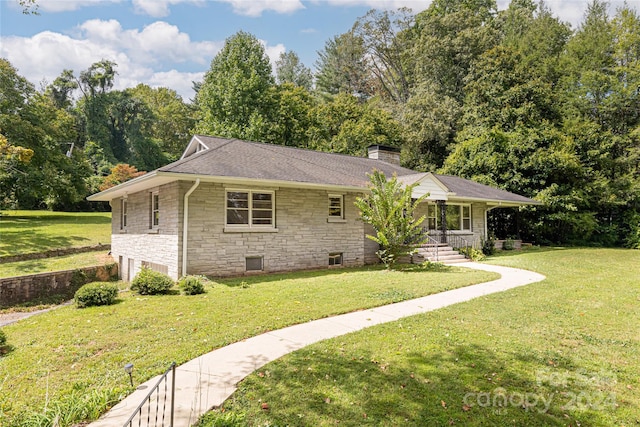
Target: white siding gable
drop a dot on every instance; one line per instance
(429, 184)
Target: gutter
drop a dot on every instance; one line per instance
(185, 226)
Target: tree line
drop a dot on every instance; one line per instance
(515, 99)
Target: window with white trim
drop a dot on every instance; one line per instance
(154, 211)
(336, 206)
(253, 209)
(458, 217)
(432, 216)
(123, 214)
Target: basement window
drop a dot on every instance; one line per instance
(254, 263)
(335, 258)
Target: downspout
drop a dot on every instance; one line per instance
(185, 226)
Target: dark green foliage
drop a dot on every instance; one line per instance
(192, 285)
(3, 338)
(488, 246)
(150, 282)
(233, 99)
(508, 245)
(96, 293)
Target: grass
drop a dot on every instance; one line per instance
(70, 351)
(562, 352)
(25, 232)
(67, 262)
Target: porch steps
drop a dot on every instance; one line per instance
(444, 254)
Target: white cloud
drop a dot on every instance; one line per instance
(143, 56)
(69, 5)
(156, 42)
(179, 81)
(256, 7)
(273, 52)
(149, 55)
(309, 31)
(159, 8)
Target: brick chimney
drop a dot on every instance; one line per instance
(384, 153)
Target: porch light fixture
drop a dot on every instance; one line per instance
(128, 368)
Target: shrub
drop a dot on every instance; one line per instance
(150, 282)
(192, 285)
(472, 253)
(96, 293)
(488, 246)
(508, 245)
(3, 338)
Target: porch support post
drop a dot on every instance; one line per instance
(443, 220)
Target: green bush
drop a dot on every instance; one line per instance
(3, 338)
(472, 253)
(192, 285)
(96, 293)
(508, 245)
(488, 246)
(150, 282)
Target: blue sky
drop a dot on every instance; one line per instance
(172, 42)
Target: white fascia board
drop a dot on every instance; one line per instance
(141, 183)
(251, 182)
(157, 178)
(494, 203)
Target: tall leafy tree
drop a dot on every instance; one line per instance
(289, 69)
(235, 90)
(169, 120)
(450, 36)
(30, 120)
(289, 119)
(602, 108)
(342, 67)
(387, 47)
(346, 125)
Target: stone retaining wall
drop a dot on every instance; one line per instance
(42, 286)
(53, 253)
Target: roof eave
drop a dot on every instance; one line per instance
(156, 178)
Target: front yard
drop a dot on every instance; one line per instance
(70, 361)
(562, 352)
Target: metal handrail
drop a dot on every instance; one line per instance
(147, 400)
(435, 243)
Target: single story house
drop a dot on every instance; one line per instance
(232, 207)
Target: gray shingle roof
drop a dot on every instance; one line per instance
(243, 159)
(470, 189)
(234, 159)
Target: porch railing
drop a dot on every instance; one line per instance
(434, 243)
(152, 411)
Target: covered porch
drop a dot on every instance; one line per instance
(456, 209)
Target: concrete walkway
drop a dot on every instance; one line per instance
(207, 381)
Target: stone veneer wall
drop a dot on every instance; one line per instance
(33, 287)
(139, 242)
(303, 240)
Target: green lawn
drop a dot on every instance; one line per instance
(24, 232)
(67, 262)
(74, 357)
(562, 352)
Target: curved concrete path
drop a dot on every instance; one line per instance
(207, 381)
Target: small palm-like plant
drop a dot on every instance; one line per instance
(389, 208)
